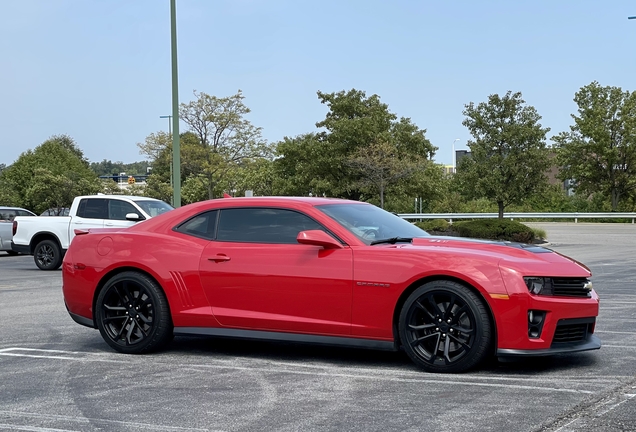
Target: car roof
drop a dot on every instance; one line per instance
(172, 216)
(273, 201)
(14, 208)
(304, 199)
(128, 197)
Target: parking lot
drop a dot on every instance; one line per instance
(58, 376)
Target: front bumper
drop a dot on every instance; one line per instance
(561, 315)
(592, 343)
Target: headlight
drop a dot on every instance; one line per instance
(535, 284)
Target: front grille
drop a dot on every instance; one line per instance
(570, 287)
(573, 330)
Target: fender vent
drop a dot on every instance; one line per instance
(182, 289)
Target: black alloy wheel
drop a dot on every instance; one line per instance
(47, 255)
(445, 327)
(132, 314)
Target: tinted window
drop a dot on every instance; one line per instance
(24, 213)
(119, 209)
(263, 225)
(203, 225)
(96, 208)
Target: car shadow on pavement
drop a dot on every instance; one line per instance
(355, 357)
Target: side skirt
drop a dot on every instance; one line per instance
(288, 337)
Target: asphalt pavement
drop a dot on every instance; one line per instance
(56, 375)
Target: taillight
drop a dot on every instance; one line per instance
(15, 226)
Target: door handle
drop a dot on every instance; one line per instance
(219, 258)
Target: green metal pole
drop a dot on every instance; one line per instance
(176, 147)
(172, 159)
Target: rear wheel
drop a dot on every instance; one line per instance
(47, 255)
(445, 327)
(132, 314)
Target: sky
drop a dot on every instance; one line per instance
(100, 71)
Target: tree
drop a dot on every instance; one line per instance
(599, 152)
(508, 150)
(355, 121)
(355, 128)
(108, 167)
(222, 130)
(158, 146)
(50, 190)
(299, 166)
(55, 171)
(381, 165)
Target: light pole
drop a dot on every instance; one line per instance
(457, 139)
(169, 117)
(176, 145)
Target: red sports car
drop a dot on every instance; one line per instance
(326, 271)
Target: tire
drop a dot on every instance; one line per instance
(12, 252)
(133, 315)
(445, 327)
(47, 255)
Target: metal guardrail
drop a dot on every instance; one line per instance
(575, 216)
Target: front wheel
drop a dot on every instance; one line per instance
(445, 327)
(132, 314)
(47, 255)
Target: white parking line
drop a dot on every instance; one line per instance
(85, 420)
(619, 346)
(604, 302)
(32, 428)
(613, 332)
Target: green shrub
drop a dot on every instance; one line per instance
(434, 225)
(495, 229)
(539, 233)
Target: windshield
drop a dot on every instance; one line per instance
(152, 207)
(370, 223)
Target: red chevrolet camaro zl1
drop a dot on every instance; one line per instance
(326, 271)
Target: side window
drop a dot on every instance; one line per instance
(24, 213)
(119, 209)
(263, 225)
(80, 208)
(203, 225)
(94, 208)
(7, 215)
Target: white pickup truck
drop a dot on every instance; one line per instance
(48, 238)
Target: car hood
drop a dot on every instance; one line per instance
(468, 243)
(525, 258)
